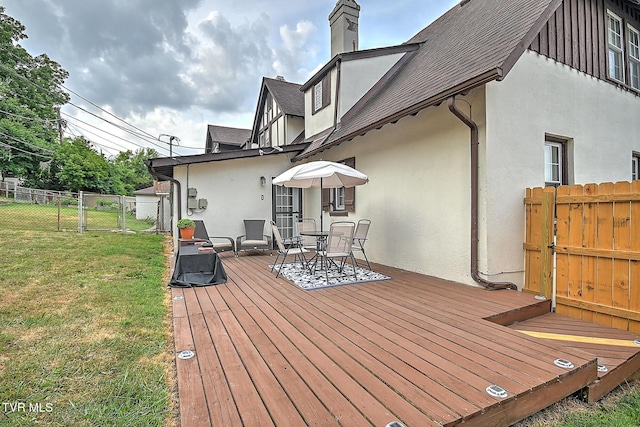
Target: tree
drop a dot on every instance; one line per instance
(132, 169)
(76, 166)
(30, 97)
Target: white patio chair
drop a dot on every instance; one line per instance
(283, 250)
(360, 237)
(303, 225)
(338, 246)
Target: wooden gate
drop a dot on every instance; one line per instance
(592, 234)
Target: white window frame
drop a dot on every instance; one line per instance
(615, 40)
(338, 199)
(635, 166)
(633, 37)
(317, 96)
(550, 165)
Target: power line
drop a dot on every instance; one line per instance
(26, 143)
(108, 112)
(25, 151)
(144, 135)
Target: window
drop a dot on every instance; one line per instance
(616, 64)
(317, 96)
(321, 95)
(555, 162)
(634, 57)
(340, 201)
(337, 198)
(635, 166)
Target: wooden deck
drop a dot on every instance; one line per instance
(416, 349)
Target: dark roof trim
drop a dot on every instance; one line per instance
(358, 54)
(163, 162)
(495, 74)
(530, 36)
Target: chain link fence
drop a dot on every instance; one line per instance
(47, 210)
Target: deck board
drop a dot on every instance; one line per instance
(414, 348)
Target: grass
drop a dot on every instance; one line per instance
(620, 408)
(83, 329)
(50, 218)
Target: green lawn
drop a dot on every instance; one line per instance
(84, 330)
(51, 218)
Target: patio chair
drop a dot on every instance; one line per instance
(360, 237)
(285, 250)
(219, 246)
(254, 237)
(338, 245)
(306, 224)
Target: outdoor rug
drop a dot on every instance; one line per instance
(309, 281)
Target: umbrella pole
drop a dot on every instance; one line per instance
(321, 208)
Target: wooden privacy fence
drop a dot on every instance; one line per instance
(594, 232)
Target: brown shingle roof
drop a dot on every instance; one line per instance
(473, 43)
(227, 135)
(287, 95)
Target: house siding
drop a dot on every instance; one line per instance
(324, 118)
(417, 196)
(538, 97)
(359, 76)
(576, 34)
(233, 190)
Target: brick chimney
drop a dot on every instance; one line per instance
(343, 22)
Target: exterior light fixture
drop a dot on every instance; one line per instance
(263, 181)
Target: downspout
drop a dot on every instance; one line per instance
(162, 177)
(475, 142)
(338, 73)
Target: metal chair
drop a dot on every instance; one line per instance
(254, 237)
(284, 250)
(338, 245)
(201, 233)
(306, 224)
(360, 237)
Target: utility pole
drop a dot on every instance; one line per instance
(61, 125)
(171, 140)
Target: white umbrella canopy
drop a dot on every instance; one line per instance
(321, 174)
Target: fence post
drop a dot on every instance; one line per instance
(124, 213)
(80, 211)
(546, 244)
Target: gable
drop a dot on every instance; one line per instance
(473, 43)
(576, 34)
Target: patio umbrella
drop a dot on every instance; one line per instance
(321, 174)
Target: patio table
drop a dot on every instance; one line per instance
(321, 242)
(195, 268)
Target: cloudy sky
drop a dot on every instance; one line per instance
(174, 66)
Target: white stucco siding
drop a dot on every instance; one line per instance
(295, 126)
(540, 96)
(418, 194)
(233, 191)
(324, 118)
(358, 77)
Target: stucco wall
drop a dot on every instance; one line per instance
(233, 190)
(357, 77)
(418, 194)
(541, 96)
(324, 118)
